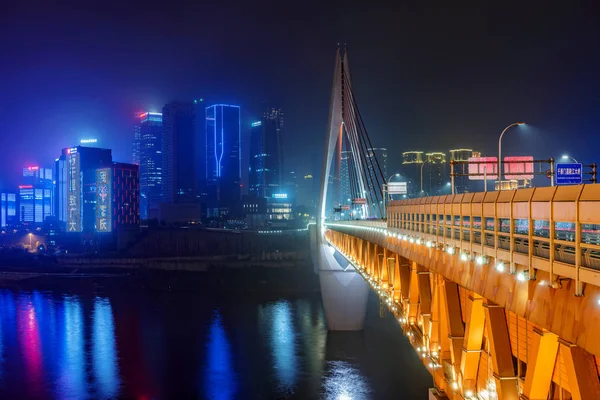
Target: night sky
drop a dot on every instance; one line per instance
(426, 78)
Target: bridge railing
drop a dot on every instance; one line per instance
(556, 229)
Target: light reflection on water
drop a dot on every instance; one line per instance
(178, 345)
(106, 369)
(220, 380)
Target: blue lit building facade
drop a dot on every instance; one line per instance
(36, 195)
(150, 133)
(223, 157)
(266, 171)
(179, 153)
(8, 209)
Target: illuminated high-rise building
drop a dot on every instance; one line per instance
(266, 155)
(223, 157)
(137, 136)
(76, 190)
(36, 195)
(346, 170)
(179, 153)
(150, 131)
(461, 182)
(8, 209)
(435, 174)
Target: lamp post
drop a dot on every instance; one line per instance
(500, 152)
(566, 157)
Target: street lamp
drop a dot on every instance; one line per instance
(566, 157)
(500, 152)
(30, 236)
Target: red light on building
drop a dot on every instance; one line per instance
(33, 168)
(142, 115)
(523, 167)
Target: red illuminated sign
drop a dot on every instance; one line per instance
(34, 168)
(25, 187)
(483, 166)
(519, 167)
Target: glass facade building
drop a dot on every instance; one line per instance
(150, 132)
(36, 195)
(266, 155)
(8, 209)
(179, 153)
(223, 155)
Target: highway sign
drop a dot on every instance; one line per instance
(484, 166)
(396, 188)
(569, 174)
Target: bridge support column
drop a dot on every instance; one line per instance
(582, 373)
(344, 293)
(469, 363)
(539, 370)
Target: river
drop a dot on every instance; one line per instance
(161, 345)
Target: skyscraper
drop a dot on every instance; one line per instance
(346, 172)
(436, 176)
(179, 164)
(76, 186)
(266, 170)
(137, 137)
(8, 209)
(380, 154)
(150, 130)
(36, 194)
(223, 155)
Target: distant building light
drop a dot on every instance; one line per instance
(88, 141)
(257, 123)
(279, 195)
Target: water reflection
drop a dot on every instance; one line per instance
(106, 369)
(29, 338)
(219, 376)
(71, 382)
(344, 382)
(282, 339)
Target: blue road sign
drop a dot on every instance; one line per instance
(569, 174)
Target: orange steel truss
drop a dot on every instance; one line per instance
(482, 333)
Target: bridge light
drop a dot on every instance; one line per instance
(454, 385)
(411, 240)
(468, 394)
(419, 241)
(500, 266)
(464, 256)
(429, 243)
(521, 276)
(431, 365)
(480, 260)
(450, 250)
(434, 353)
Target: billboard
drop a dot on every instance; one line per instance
(481, 166)
(73, 191)
(103, 200)
(359, 201)
(396, 188)
(520, 167)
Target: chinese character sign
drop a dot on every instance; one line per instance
(73, 193)
(104, 200)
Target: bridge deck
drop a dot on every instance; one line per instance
(533, 252)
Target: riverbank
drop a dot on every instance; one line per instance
(290, 278)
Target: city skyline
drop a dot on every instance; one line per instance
(528, 72)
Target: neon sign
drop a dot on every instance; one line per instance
(25, 187)
(34, 168)
(73, 192)
(279, 195)
(104, 200)
(88, 141)
(257, 123)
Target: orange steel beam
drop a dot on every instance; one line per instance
(471, 351)
(502, 363)
(456, 330)
(397, 295)
(581, 371)
(413, 295)
(424, 297)
(405, 271)
(391, 274)
(544, 350)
